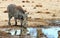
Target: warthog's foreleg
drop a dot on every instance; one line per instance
(21, 22)
(15, 21)
(9, 23)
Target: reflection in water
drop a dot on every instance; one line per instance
(51, 32)
(31, 31)
(13, 32)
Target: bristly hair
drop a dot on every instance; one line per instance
(20, 9)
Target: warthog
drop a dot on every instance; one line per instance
(17, 12)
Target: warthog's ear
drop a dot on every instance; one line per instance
(5, 11)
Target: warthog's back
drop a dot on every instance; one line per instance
(15, 11)
(11, 9)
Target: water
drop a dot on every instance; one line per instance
(13, 32)
(31, 31)
(51, 32)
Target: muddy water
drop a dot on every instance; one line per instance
(51, 32)
(31, 31)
